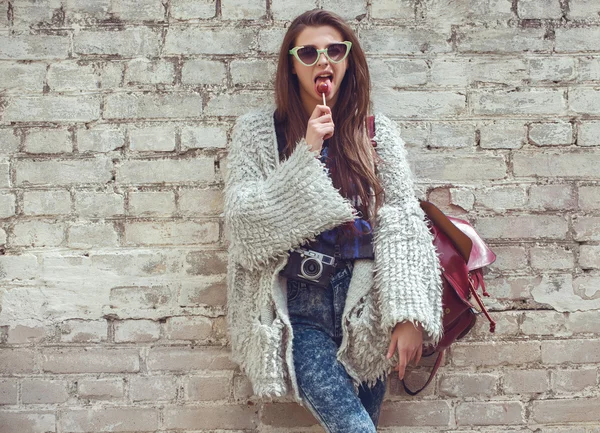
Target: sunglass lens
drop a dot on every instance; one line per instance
(336, 52)
(307, 54)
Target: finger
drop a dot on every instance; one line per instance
(419, 355)
(401, 367)
(391, 348)
(320, 110)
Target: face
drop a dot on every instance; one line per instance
(319, 37)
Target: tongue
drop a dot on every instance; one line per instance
(319, 87)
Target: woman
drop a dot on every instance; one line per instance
(304, 176)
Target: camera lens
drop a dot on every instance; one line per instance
(311, 268)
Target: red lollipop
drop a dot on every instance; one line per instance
(323, 88)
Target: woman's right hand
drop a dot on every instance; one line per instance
(320, 128)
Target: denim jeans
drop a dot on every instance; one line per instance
(325, 386)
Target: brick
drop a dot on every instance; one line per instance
(159, 138)
(512, 288)
(7, 205)
(589, 68)
(140, 297)
(464, 72)
(66, 172)
(134, 10)
(206, 263)
(398, 72)
(236, 104)
(403, 40)
(468, 385)
(576, 39)
(566, 410)
(101, 389)
(19, 266)
(112, 74)
(589, 257)
(171, 233)
(18, 78)
(450, 168)
(584, 322)
(9, 141)
(269, 40)
(27, 422)
(192, 40)
(152, 388)
(193, 9)
(83, 331)
(586, 228)
(524, 102)
(552, 197)
(17, 361)
(574, 380)
(572, 164)
(583, 9)
(26, 334)
(152, 106)
(571, 351)
(72, 77)
(495, 353)
(290, 415)
(103, 10)
(56, 202)
(202, 71)
(490, 413)
(243, 9)
(33, 47)
(552, 257)
(101, 139)
(144, 71)
(53, 108)
(502, 197)
(207, 291)
(188, 328)
(27, 13)
(8, 392)
(133, 331)
(507, 325)
(451, 135)
(91, 204)
(423, 413)
(96, 235)
(551, 133)
(199, 169)
(203, 137)
(5, 181)
(462, 197)
(253, 72)
(193, 202)
(502, 134)
(114, 419)
(588, 134)
(522, 226)
(38, 234)
(503, 40)
(212, 417)
(44, 391)
(48, 141)
(411, 104)
(552, 69)
(155, 203)
(130, 42)
(525, 381)
(78, 360)
(585, 101)
(543, 323)
(509, 258)
(242, 388)
(536, 9)
(347, 10)
(184, 359)
(393, 9)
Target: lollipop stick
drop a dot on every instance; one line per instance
(324, 102)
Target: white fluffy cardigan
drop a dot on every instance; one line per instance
(272, 207)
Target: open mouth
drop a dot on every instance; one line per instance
(326, 78)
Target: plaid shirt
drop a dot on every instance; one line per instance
(356, 244)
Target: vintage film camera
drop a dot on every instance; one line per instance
(310, 266)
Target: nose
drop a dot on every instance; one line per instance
(323, 60)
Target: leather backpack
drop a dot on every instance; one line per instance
(463, 255)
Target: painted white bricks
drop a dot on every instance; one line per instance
(115, 123)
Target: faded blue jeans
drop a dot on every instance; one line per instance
(325, 386)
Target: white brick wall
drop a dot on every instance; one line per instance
(115, 118)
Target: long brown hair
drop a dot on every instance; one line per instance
(352, 156)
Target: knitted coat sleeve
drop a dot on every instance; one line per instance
(272, 207)
(407, 270)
